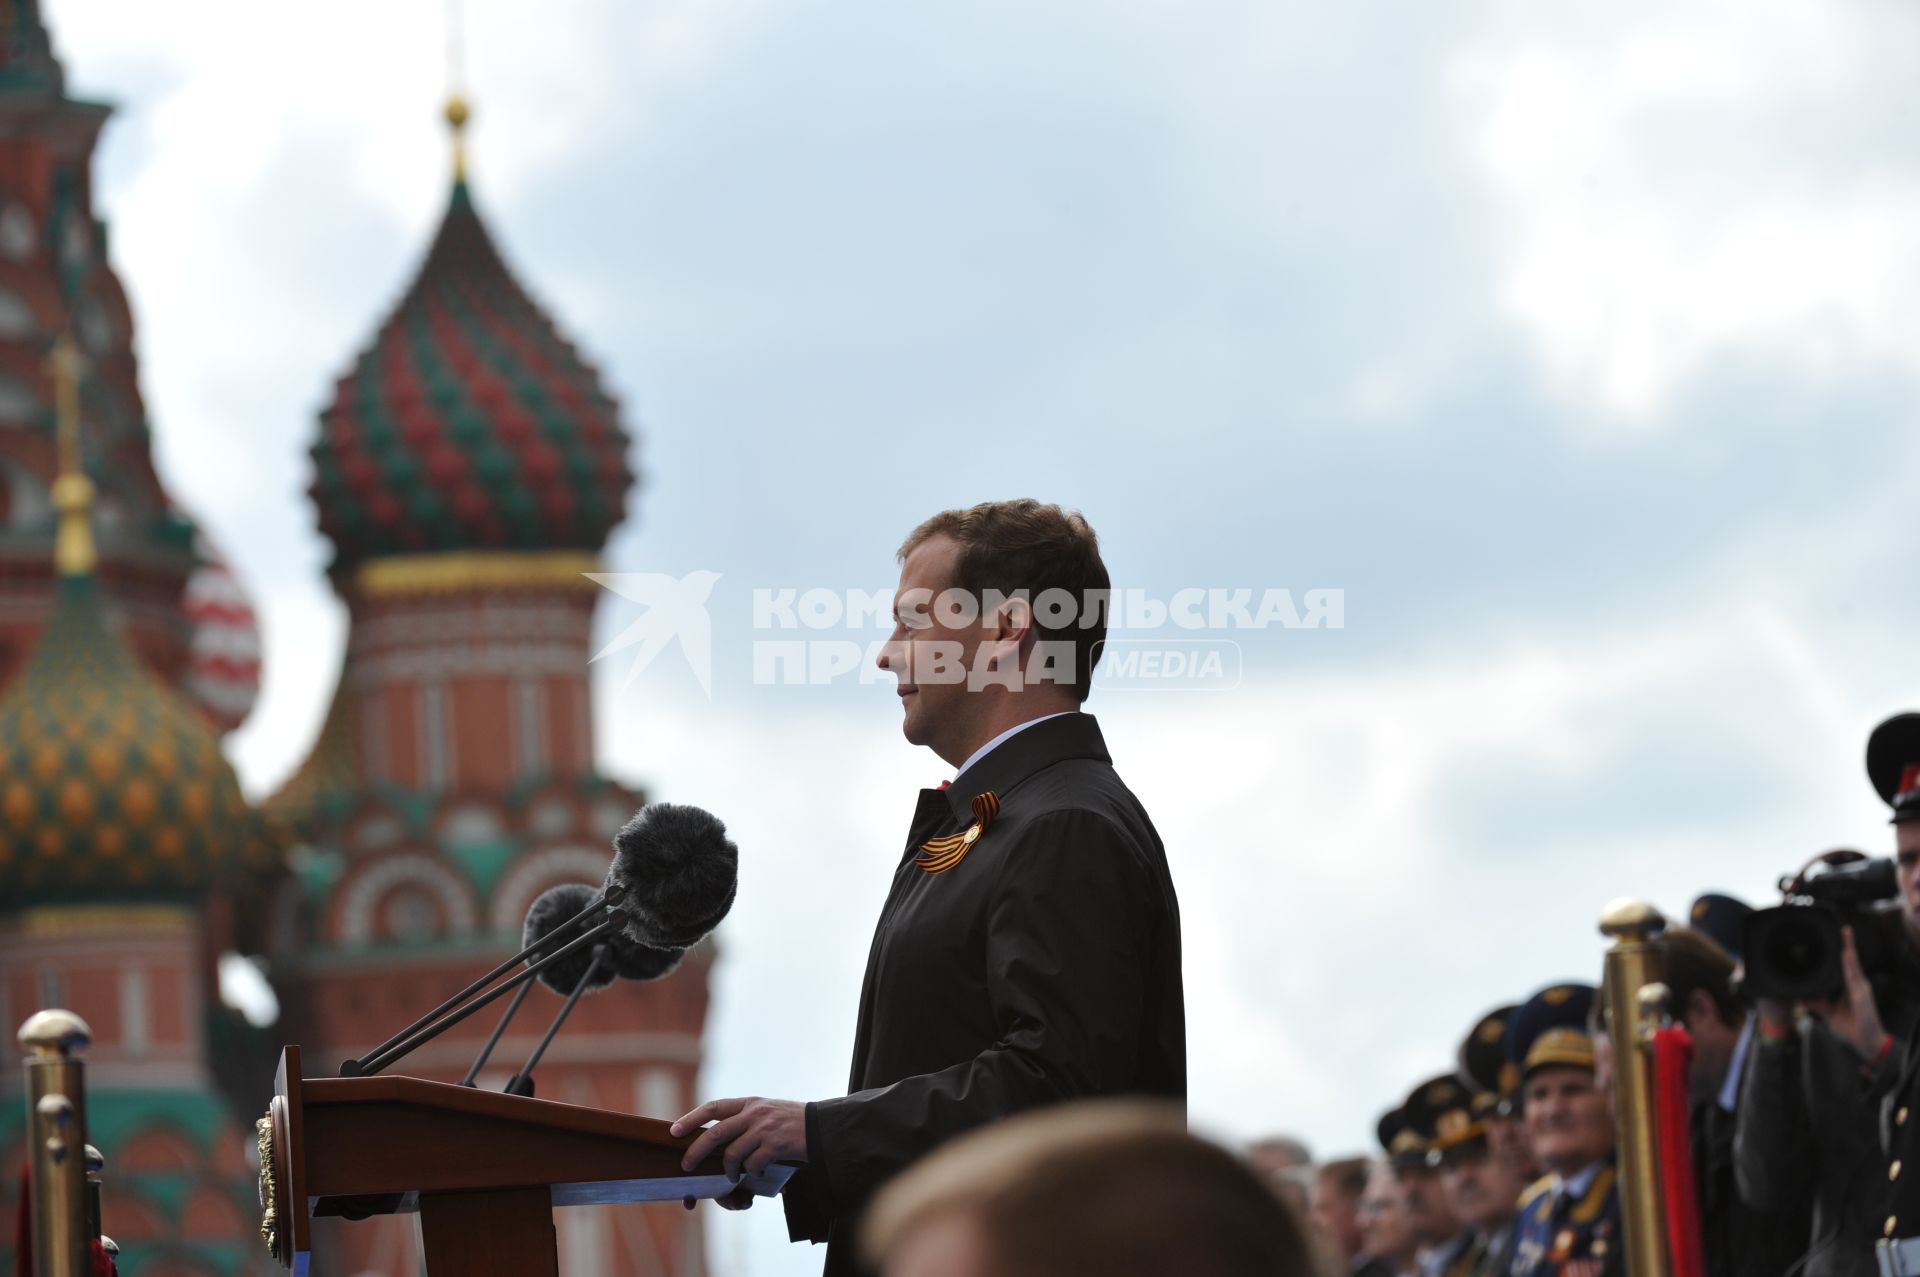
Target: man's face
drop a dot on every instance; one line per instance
(1713, 1043)
(1906, 837)
(1337, 1218)
(1484, 1189)
(1507, 1137)
(930, 656)
(1568, 1124)
(1429, 1216)
(1383, 1217)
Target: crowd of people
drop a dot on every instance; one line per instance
(1802, 1150)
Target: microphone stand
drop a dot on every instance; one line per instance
(521, 1083)
(493, 1039)
(356, 1068)
(380, 1059)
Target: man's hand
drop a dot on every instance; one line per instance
(739, 1199)
(753, 1133)
(1855, 1019)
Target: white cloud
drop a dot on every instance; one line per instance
(1679, 184)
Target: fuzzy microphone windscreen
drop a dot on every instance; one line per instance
(631, 960)
(678, 870)
(552, 915)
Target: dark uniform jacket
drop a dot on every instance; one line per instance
(1897, 1086)
(1741, 1238)
(1805, 1133)
(1808, 1127)
(1460, 1257)
(1496, 1256)
(1570, 1234)
(1043, 966)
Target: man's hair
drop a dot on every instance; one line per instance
(1294, 1151)
(1348, 1175)
(1023, 545)
(1693, 961)
(1116, 1187)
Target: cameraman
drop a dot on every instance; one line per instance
(1809, 1107)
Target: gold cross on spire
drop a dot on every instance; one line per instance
(457, 118)
(73, 552)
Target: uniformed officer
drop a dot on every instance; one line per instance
(1483, 1184)
(1449, 1247)
(1569, 1223)
(1893, 764)
(1495, 1079)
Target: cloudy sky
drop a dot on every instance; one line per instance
(1577, 344)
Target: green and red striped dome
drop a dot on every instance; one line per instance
(470, 423)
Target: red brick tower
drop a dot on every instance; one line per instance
(468, 472)
(123, 836)
(55, 278)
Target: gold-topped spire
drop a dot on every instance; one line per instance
(73, 552)
(457, 113)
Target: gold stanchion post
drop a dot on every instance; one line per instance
(57, 1141)
(1632, 964)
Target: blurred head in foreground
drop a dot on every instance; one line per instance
(1288, 1166)
(1114, 1187)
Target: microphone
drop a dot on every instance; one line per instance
(613, 920)
(672, 880)
(557, 913)
(676, 871)
(358, 1068)
(557, 910)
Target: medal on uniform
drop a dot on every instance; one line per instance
(937, 855)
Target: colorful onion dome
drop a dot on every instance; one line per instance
(470, 423)
(111, 784)
(223, 654)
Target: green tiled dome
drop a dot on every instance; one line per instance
(112, 786)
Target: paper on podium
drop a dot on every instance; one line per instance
(767, 1183)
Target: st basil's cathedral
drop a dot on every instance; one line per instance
(467, 472)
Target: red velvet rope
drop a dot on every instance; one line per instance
(1672, 1056)
(99, 1262)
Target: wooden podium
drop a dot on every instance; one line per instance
(484, 1170)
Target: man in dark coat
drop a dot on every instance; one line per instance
(1029, 949)
(1741, 1237)
(1805, 1134)
(1890, 1047)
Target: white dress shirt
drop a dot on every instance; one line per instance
(1003, 737)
